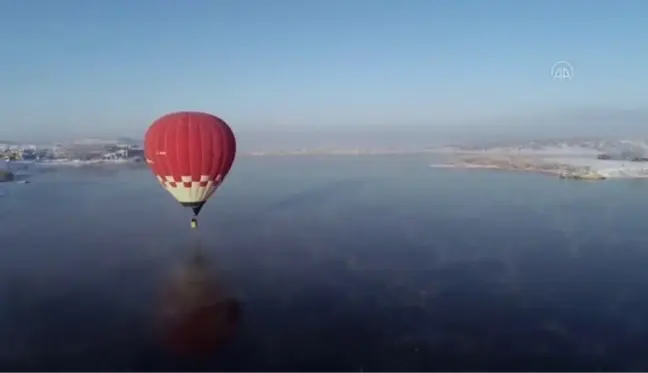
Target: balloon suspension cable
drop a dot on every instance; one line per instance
(196, 211)
(197, 244)
(194, 227)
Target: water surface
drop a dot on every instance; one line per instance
(339, 263)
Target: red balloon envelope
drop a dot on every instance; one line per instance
(191, 153)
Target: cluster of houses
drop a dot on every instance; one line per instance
(624, 156)
(22, 152)
(10, 152)
(119, 152)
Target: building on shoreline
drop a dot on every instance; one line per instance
(585, 174)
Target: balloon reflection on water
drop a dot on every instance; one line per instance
(196, 315)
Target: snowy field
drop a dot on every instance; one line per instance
(78, 163)
(607, 168)
(578, 153)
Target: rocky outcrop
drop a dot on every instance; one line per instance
(6, 176)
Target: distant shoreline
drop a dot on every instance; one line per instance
(583, 168)
(566, 165)
(496, 168)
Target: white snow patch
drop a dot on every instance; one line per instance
(608, 168)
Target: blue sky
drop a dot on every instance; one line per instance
(112, 66)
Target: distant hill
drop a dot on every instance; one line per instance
(575, 145)
(394, 133)
(106, 141)
(129, 141)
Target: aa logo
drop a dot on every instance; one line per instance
(562, 70)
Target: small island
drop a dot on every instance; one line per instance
(6, 176)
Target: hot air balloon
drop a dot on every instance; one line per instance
(190, 153)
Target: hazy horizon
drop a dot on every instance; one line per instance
(616, 124)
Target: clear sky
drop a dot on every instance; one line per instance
(113, 66)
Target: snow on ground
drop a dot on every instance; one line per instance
(77, 162)
(549, 150)
(557, 150)
(608, 168)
